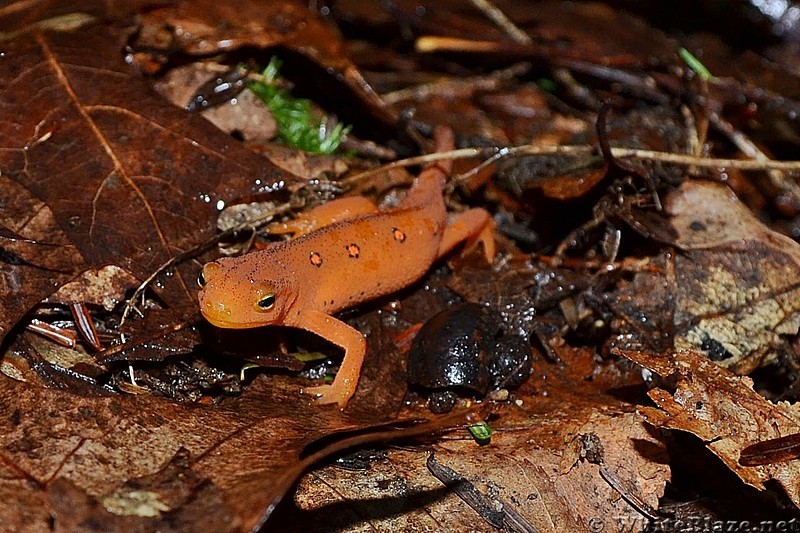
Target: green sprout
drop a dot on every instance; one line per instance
(308, 357)
(693, 63)
(298, 125)
(481, 432)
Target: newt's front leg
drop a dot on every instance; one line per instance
(355, 347)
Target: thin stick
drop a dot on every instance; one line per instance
(449, 86)
(411, 161)
(493, 13)
(631, 153)
(749, 148)
(707, 162)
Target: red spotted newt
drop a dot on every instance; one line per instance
(339, 261)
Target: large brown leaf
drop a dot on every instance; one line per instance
(98, 445)
(97, 164)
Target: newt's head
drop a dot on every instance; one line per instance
(235, 295)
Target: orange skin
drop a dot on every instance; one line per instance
(302, 282)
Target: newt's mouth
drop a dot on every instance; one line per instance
(228, 324)
(220, 315)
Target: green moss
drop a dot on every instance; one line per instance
(298, 125)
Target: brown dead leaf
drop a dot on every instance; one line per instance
(725, 412)
(730, 292)
(147, 456)
(25, 282)
(144, 181)
(534, 464)
(194, 27)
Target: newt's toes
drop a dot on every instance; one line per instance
(328, 394)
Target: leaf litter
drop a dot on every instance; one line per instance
(626, 306)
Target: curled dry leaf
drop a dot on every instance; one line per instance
(731, 291)
(194, 27)
(725, 412)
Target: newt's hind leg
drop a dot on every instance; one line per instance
(470, 227)
(325, 215)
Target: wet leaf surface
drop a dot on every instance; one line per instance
(99, 451)
(648, 283)
(133, 166)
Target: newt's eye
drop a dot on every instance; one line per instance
(265, 303)
(201, 280)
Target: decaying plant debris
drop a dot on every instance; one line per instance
(641, 172)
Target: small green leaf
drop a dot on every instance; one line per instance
(693, 63)
(481, 432)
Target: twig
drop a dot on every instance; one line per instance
(430, 43)
(457, 86)
(411, 161)
(749, 148)
(495, 154)
(466, 491)
(633, 499)
(494, 14)
(496, 515)
(706, 162)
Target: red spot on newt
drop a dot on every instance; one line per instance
(398, 235)
(353, 250)
(307, 292)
